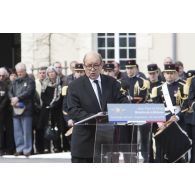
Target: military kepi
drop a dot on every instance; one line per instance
(130, 63)
(169, 67)
(108, 67)
(79, 66)
(152, 68)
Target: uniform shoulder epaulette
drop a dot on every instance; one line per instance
(64, 90)
(187, 85)
(154, 92)
(146, 83)
(186, 89)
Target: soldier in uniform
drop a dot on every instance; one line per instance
(153, 76)
(137, 89)
(172, 94)
(118, 74)
(148, 128)
(108, 69)
(190, 114)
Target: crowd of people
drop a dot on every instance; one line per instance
(37, 111)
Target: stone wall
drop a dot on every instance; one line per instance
(46, 48)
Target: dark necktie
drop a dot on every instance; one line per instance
(99, 92)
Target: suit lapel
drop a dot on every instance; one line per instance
(91, 92)
(105, 87)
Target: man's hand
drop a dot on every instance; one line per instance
(14, 101)
(70, 123)
(173, 118)
(161, 125)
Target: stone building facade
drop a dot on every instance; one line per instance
(39, 49)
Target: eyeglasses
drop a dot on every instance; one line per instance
(2, 75)
(94, 66)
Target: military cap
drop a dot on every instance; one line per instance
(130, 63)
(190, 73)
(152, 68)
(108, 66)
(169, 67)
(79, 66)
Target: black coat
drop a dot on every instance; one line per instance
(4, 99)
(55, 110)
(82, 103)
(70, 78)
(24, 89)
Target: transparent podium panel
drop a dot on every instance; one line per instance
(104, 136)
(120, 153)
(135, 148)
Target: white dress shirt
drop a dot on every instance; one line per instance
(95, 87)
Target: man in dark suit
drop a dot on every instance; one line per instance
(87, 96)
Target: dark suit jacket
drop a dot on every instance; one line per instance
(82, 103)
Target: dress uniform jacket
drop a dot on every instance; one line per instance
(191, 101)
(179, 99)
(82, 103)
(136, 88)
(177, 95)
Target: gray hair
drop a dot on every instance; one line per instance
(20, 66)
(4, 71)
(51, 68)
(73, 62)
(92, 53)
